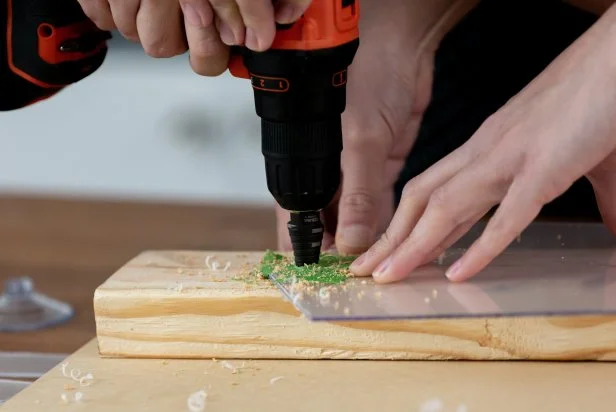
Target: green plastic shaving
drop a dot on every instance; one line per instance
(331, 269)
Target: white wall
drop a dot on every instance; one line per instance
(139, 128)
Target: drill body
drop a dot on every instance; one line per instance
(300, 94)
(45, 45)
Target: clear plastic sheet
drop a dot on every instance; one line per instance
(552, 269)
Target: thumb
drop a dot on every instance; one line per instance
(288, 11)
(363, 166)
(282, 233)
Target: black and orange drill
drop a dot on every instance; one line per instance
(45, 45)
(300, 94)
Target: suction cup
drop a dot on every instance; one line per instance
(23, 309)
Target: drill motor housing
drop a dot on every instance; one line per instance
(45, 45)
(300, 94)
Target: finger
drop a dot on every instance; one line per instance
(386, 210)
(517, 210)
(605, 194)
(288, 11)
(124, 14)
(413, 202)
(208, 55)
(229, 22)
(453, 237)
(475, 189)
(363, 164)
(329, 218)
(258, 17)
(284, 240)
(99, 12)
(160, 28)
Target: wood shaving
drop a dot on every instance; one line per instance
(231, 367)
(276, 379)
(75, 374)
(78, 397)
(196, 402)
(215, 266)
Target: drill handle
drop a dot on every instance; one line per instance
(45, 45)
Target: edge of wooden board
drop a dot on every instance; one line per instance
(258, 323)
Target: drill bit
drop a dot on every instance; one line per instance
(306, 232)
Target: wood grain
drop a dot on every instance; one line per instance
(167, 304)
(308, 386)
(71, 245)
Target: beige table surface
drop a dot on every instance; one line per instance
(405, 386)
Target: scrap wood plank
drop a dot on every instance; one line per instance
(155, 385)
(168, 304)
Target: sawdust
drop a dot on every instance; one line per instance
(331, 269)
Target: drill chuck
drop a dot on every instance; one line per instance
(302, 162)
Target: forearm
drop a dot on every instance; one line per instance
(414, 25)
(434, 19)
(593, 6)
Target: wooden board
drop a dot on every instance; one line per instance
(140, 385)
(167, 304)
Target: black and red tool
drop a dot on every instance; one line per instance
(300, 93)
(45, 45)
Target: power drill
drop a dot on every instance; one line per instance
(300, 94)
(45, 45)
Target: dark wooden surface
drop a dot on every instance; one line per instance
(70, 246)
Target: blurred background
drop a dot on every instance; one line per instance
(143, 154)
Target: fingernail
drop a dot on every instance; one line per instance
(357, 237)
(252, 42)
(226, 34)
(287, 13)
(380, 270)
(192, 15)
(453, 270)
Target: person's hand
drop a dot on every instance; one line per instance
(389, 88)
(559, 128)
(166, 28)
